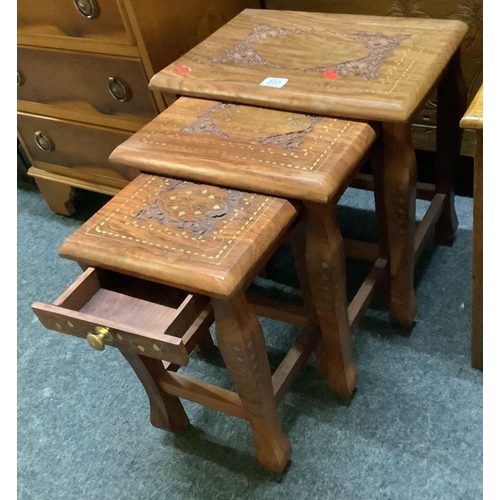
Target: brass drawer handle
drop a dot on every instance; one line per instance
(119, 89)
(43, 142)
(20, 79)
(87, 8)
(97, 341)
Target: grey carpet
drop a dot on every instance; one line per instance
(412, 431)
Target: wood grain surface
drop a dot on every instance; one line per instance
(268, 151)
(195, 237)
(364, 67)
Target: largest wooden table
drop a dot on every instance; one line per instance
(358, 67)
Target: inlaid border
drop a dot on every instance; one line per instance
(95, 229)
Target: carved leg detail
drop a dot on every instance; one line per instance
(58, 196)
(399, 183)
(241, 342)
(452, 103)
(167, 411)
(325, 258)
(298, 244)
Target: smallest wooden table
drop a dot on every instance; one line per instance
(473, 119)
(191, 239)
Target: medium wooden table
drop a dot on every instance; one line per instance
(369, 68)
(473, 119)
(304, 158)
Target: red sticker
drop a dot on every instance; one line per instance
(330, 74)
(183, 69)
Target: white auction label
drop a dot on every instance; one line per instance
(277, 83)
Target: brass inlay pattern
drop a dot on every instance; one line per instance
(287, 159)
(109, 226)
(201, 219)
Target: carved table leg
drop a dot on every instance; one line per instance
(58, 196)
(452, 103)
(166, 411)
(242, 346)
(377, 160)
(325, 258)
(298, 246)
(399, 184)
(477, 257)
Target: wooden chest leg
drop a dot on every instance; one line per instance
(399, 184)
(166, 411)
(325, 258)
(452, 103)
(59, 197)
(241, 343)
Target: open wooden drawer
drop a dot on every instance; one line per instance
(109, 308)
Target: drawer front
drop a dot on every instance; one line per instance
(102, 20)
(81, 147)
(109, 309)
(104, 85)
(81, 325)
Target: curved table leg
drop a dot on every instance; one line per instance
(399, 187)
(452, 103)
(241, 343)
(325, 259)
(166, 411)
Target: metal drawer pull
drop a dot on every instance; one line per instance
(119, 89)
(43, 142)
(97, 341)
(20, 79)
(87, 8)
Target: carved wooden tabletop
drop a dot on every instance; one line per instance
(473, 117)
(268, 151)
(365, 67)
(196, 237)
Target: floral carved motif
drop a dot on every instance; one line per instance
(244, 52)
(186, 205)
(289, 141)
(380, 47)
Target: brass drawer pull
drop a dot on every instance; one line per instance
(119, 89)
(20, 79)
(87, 8)
(97, 341)
(43, 142)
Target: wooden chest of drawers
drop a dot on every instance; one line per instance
(83, 73)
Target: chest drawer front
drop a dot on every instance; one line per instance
(102, 20)
(80, 147)
(91, 83)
